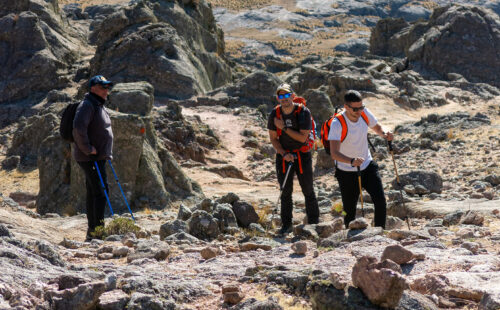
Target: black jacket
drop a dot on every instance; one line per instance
(92, 127)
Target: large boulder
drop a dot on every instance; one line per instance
(382, 285)
(37, 49)
(148, 173)
(255, 89)
(462, 33)
(430, 181)
(176, 47)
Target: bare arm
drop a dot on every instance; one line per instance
(384, 134)
(300, 136)
(273, 136)
(336, 155)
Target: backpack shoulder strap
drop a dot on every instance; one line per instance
(365, 117)
(343, 123)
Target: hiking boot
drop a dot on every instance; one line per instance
(285, 230)
(88, 237)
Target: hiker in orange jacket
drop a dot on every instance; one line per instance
(290, 126)
(349, 150)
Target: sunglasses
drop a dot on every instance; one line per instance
(361, 108)
(108, 87)
(287, 95)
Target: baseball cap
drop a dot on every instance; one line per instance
(285, 87)
(99, 79)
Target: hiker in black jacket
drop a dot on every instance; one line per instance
(290, 126)
(94, 143)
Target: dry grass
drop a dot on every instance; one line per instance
(240, 4)
(16, 180)
(286, 301)
(85, 3)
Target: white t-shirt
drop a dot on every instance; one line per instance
(355, 143)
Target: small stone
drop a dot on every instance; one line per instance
(299, 247)
(359, 223)
(105, 256)
(233, 297)
(121, 251)
(208, 253)
(397, 254)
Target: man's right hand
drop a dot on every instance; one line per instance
(288, 157)
(94, 151)
(358, 161)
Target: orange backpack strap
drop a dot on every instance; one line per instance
(364, 117)
(343, 123)
(278, 116)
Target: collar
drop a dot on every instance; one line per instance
(96, 99)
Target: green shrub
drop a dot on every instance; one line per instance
(118, 226)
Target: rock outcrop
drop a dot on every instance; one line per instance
(176, 46)
(457, 39)
(37, 49)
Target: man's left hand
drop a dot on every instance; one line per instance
(388, 136)
(279, 123)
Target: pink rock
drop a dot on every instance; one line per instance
(383, 287)
(397, 254)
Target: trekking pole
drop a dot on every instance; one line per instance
(121, 190)
(290, 164)
(360, 192)
(391, 150)
(103, 187)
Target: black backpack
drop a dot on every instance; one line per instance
(66, 126)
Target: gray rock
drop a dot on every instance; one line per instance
(185, 53)
(4, 232)
(357, 47)
(172, 227)
(11, 162)
(453, 218)
(202, 225)
(84, 296)
(224, 213)
(132, 98)
(139, 301)
(113, 300)
(245, 213)
(49, 49)
(430, 181)
(489, 302)
(228, 198)
(184, 213)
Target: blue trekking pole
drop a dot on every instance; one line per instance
(121, 190)
(103, 187)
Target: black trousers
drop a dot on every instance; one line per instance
(306, 183)
(96, 200)
(349, 189)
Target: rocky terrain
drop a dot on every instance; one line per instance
(195, 83)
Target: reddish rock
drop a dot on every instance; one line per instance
(397, 254)
(383, 287)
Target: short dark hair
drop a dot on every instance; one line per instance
(352, 96)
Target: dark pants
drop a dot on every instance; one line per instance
(306, 183)
(96, 200)
(349, 189)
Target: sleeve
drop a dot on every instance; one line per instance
(335, 131)
(372, 120)
(270, 120)
(305, 119)
(83, 116)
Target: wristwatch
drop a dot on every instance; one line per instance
(352, 160)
